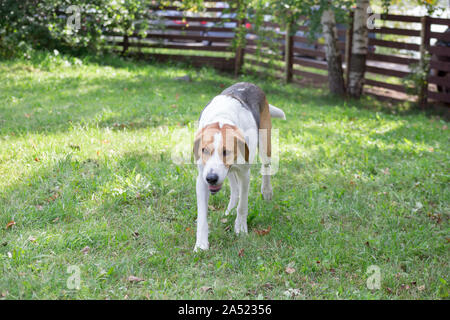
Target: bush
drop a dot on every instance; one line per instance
(43, 24)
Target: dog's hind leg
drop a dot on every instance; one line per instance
(234, 197)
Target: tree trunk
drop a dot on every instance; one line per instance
(333, 54)
(359, 49)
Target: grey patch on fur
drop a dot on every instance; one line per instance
(249, 95)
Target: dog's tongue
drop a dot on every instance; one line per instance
(215, 188)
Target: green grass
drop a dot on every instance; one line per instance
(85, 160)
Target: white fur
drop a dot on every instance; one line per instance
(226, 110)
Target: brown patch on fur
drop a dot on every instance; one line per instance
(232, 142)
(265, 123)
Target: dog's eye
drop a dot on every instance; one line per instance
(225, 153)
(205, 151)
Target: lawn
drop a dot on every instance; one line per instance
(86, 175)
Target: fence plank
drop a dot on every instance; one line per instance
(220, 63)
(391, 59)
(443, 97)
(443, 21)
(391, 86)
(442, 81)
(309, 52)
(401, 18)
(397, 31)
(440, 65)
(311, 75)
(444, 36)
(311, 63)
(387, 72)
(394, 44)
(198, 19)
(176, 8)
(263, 64)
(187, 37)
(440, 51)
(215, 48)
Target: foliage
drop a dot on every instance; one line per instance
(44, 24)
(418, 77)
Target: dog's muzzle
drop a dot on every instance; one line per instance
(214, 188)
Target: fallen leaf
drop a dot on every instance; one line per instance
(421, 288)
(289, 270)
(10, 224)
(31, 239)
(85, 250)
(267, 286)
(224, 220)
(404, 286)
(263, 232)
(36, 159)
(4, 294)
(206, 289)
(135, 279)
(252, 292)
(241, 252)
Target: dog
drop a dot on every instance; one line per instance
(231, 127)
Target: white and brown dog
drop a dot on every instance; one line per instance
(231, 127)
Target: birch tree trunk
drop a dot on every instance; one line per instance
(333, 54)
(359, 49)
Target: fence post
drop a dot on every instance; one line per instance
(125, 44)
(348, 49)
(288, 53)
(239, 54)
(424, 46)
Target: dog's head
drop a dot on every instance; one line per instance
(217, 148)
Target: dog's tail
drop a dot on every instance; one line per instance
(276, 112)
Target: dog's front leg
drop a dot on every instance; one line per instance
(242, 209)
(202, 214)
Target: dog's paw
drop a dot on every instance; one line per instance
(267, 193)
(240, 226)
(201, 246)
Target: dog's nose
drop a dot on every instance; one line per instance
(212, 178)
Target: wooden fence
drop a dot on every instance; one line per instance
(205, 39)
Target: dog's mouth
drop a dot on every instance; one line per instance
(214, 188)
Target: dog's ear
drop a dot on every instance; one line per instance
(240, 145)
(197, 144)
